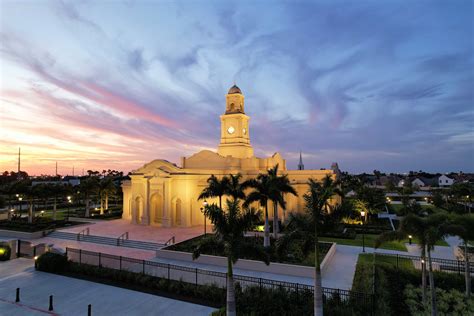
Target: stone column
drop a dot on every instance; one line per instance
(166, 221)
(145, 219)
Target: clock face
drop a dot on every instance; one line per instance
(244, 131)
(231, 130)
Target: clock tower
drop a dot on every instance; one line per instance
(235, 140)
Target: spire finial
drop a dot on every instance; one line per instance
(300, 165)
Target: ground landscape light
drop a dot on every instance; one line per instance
(2, 251)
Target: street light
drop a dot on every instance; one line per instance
(203, 209)
(409, 239)
(68, 204)
(20, 199)
(363, 231)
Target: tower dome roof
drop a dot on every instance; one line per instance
(234, 90)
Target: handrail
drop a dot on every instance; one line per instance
(124, 236)
(83, 232)
(170, 241)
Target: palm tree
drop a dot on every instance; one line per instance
(235, 188)
(215, 188)
(304, 228)
(317, 201)
(463, 226)
(262, 190)
(428, 231)
(280, 186)
(57, 189)
(229, 228)
(106, 187)
(89, 187)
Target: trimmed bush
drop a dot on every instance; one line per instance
(451, 302)
(5, 252)
(52, 262)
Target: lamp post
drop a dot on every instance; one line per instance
(409, 239)
(203, 209)
(68, 204)
(20, 199)
(363, 231)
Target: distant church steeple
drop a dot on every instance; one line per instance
(300, 165)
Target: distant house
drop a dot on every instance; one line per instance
(74, 181)
(419, 182)
(445, 181)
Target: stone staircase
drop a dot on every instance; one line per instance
(144, 245)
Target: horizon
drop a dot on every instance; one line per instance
(369, 85)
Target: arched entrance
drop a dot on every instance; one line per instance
(138, 208)
(156, 204)
(177, 212)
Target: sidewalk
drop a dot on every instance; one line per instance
(71, 296)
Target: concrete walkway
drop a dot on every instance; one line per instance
(71, 296)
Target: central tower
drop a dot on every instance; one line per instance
(235, 140)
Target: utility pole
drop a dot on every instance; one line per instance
(56, 168)
(19, 158)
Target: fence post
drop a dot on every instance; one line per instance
(17, 299)
(297, 293)
(50, 303)
(168, 271)
(120, 263)
(196, 276)
(459, 268)
(143, 262)
(80, 256)
(89, 310)
(259, 284)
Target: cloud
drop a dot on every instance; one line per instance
(360, 83)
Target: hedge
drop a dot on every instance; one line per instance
(5, 252)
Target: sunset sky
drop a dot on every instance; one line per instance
(384, 85)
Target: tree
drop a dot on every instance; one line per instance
(215, 188)
(463, 226)
(361, 207)
(428, 231)
(235, 188)
(279, 186)
(89, 187)
(229, 228)
(106, 187)
(262, 190)
(305, 228)
(317, 201)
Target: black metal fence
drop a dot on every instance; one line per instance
(439, 264)
(363, 301)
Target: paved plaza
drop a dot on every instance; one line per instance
(71, 296)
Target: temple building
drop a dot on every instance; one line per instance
(165, 194)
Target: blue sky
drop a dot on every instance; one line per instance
(384, 85)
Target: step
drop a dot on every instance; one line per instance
(145, 245)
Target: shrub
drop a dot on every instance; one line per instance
(5, 252)
(451, 302)
(52, 262)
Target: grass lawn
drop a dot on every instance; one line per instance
(369, 258)
(294, 256)
(397, 208)
(369, 242)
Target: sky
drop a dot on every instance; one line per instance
(384, 85)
